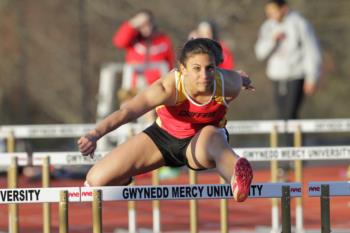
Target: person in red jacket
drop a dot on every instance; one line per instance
(146, 48)
(144, 44)
(209, 29)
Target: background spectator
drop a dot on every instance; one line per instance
(209, 29)
(144, 44)
(288, 43)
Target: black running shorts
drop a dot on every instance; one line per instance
(173, 149)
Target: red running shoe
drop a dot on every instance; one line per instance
(241, 179)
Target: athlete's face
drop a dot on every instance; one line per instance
(199, 72)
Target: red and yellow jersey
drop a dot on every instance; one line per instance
(187, 117)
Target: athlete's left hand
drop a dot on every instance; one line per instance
(87, 145)
(246, 82)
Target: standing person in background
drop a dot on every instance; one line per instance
(209, 29)
(144, 44)
(288, 43)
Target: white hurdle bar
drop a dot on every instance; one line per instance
(77, 130)
(61, 195)
(319, 125)
(258, 154)
(6, 158)
(233, 127)
(66, 158)
(295, 153)
(324, 190)
(38, 195)
(186, 192)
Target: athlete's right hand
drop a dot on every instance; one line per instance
(87, 145)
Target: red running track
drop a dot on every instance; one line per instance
(175, 214)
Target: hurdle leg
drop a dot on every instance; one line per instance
(285, 206)
(274, 201)
(97, 211)
(46, 184)
(156, 204)
(223, 212)
(325, 209)
(12, 180)
(63, 212)
(274, 178)
(132, 215)
(298, 167)
(299, 225)
(193, 206)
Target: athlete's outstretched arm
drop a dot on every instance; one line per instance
(161, 92)
(235, 81)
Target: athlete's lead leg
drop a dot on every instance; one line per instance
(209, 149)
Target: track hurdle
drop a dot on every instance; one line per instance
(97, 195)
(285, 191)
(298, 127)
(45, 159)
(295, 154)
(74, 158)
(325, 190)
(268, 127)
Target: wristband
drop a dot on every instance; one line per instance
(91, 138)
